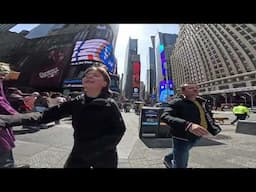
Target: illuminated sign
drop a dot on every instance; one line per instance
(165, 93)
(98, 50)
(163, 59)
(136, 79)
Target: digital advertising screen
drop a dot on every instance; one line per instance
(94, 50)
(50, 73)
(136, 79)
(165, 91)
(163, 59)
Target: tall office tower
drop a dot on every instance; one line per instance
(164, 43)
(132, 70)
(220, 57)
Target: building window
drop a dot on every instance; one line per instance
(239, 85)
(253, 83)
(223, 87)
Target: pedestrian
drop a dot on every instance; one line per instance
(7, 139)
(241, 112)
(189, 118)
(96, 119)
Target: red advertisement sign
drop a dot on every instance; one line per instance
(136, 78)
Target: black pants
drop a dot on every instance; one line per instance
(106, 159)
(239, 117)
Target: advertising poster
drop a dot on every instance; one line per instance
(50, 73)
(136, 79)
(164, 91)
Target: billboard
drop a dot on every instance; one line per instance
(50, 72)
(163, 60)
(136, 79)
(98, 50)
(165, 91)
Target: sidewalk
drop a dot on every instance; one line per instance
(49, 148)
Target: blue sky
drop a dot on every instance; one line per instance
(142, 32)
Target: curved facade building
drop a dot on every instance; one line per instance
(221, 58)
(47, 58)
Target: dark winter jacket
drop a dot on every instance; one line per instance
(182, 112)
(97, 122)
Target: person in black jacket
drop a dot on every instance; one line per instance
(189, 118)
(96, 119)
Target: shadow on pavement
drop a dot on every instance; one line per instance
(25, 130)
(167, 142)
(157, 142)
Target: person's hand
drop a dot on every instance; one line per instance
(198, 130)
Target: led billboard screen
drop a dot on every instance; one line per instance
(136, 79)
(164, 93)
(94, 50)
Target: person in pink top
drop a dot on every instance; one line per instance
(7, 138)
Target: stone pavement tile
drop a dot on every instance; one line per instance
(28, 148)
(54, 136)
(156, 154)
(244, 162)
(51, 158)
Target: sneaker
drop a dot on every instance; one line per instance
(167, 164)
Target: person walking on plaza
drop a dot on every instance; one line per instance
(7, 139)
(96, 119)
(189, 118)
(241, 112)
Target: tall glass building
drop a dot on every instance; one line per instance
(164, 43)
(132, 70)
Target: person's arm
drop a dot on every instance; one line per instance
(170, 115)
(49, 115)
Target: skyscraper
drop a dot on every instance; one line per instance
(164, 43)
(132, 70)
(221, 58)
(217, 56)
